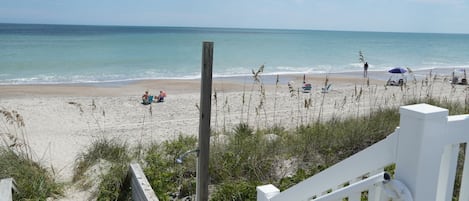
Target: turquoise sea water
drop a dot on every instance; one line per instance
(35, 54)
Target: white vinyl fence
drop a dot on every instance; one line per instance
(140, 187)
(424, 148)
(7, 187)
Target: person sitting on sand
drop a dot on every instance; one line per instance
(161, 96)
(145, 98)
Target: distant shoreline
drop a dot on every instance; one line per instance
(267, 79)
(137, 87)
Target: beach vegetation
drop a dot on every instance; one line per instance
(168, 178)
(243, 155)
(252, 154)
(257, 82)
(103, 167)
(248, 155)
(33, 181)
(236, 191)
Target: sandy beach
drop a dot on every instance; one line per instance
(62, 120)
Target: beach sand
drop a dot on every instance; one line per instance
(62, 120)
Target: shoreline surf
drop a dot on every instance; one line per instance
(137, 87)
(266, 78)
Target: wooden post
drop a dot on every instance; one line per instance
(204, 122)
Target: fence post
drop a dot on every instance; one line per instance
(204, 123)
(464, 190)
(420, 149)
(265, 192)
(7, 187)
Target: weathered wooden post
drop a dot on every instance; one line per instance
(204, 122)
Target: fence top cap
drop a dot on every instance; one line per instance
(268, 187)
(424, 111)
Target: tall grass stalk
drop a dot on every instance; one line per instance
(226, 112)
(215, 97)
(323, 98)
(243, 102)
(256, 75)
(275, 100)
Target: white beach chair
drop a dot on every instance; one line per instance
(326, 89)
(307, 88)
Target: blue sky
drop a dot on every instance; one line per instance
(441, 16)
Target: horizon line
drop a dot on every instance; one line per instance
(221, 27)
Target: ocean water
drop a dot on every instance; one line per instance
(42, 54)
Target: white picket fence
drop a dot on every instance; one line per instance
(425, 150)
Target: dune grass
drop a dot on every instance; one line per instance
(34, 182)
(105, 164)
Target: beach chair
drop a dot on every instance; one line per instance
(307, 88)
(326, 88)
(463, 81)
(149, 101)
(400, 82)
(391, 83)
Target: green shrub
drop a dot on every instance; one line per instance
(161, 173)
(290, 181)
(236, 191)
(33, 181)
(111, 183)
(180, 145)
(166, 176)
(247, 155)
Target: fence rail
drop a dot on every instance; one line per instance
(139, 185)
(425, 149)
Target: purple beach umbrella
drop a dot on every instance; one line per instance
(398, 70)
